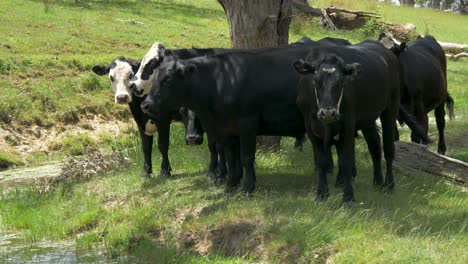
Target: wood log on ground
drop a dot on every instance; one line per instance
(457, 56)
(349, 19)
(401, 32)
(416, 159)
(453, 48)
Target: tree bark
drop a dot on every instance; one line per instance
(257, 24)
(418, 160)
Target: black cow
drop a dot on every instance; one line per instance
(236, 94)
(424, 83)
(345, 89)
(143, 81)
(120, 71)
(144, 78)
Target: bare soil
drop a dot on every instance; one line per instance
(37, 139)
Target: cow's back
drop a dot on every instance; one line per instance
(424, 66)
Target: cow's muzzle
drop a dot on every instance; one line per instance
(122, 99)
(327, 115)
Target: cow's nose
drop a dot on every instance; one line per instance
(133, 87)
(327, 114)
(123, 98)
(145, 106)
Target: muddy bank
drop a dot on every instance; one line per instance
(23, 141)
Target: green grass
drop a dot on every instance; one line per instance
(45, 62)
(425, 220)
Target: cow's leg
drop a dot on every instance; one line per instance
(387, 119)
(421, 118)
(322, 157)
(299, 143)
(345, 161)
(439, 113)
(231, 153)
(373, 145)
(396, 135)
(163, 145)
(248, 147)
(339, 177)
(213, 156)
(221, 171)
(147, 146)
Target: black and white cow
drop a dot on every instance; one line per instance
(120, 72)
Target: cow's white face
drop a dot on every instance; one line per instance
(120, 77)
(120, 72)
(145, 75)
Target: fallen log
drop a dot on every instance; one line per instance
(348, 19)
(453, 48)
(457, 56)
(406, 32)
(416, 159)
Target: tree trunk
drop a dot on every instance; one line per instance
(257, 24)
(463, 7)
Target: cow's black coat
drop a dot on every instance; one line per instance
(367, 77)
(238, 94)
(424, 84)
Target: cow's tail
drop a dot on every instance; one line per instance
(450, 103)
(413, 124)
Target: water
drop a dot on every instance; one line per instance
(23, 176)
(14, 249)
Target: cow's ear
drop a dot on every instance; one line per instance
(403, 46)
(381, 36)
(303, 67)
(135, 65)
(168, 52)
(161, 49)
(352, 69)
(101, 70)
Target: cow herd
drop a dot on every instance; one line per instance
(328, 89)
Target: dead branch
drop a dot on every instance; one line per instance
(457, 56)
(333, 9)
(416, 159)
(453, 48)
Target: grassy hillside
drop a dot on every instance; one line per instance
(44, 73)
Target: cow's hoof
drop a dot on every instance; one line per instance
(349, 204)
(230, 190)
(219, 181)
(248, 189)
(221, 173)
(441, 151)
(339, 183)
(388, 188)
(165, 173)
(211, 175)
(319, 199)
(145, 174)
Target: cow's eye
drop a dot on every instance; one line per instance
(111, 78)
